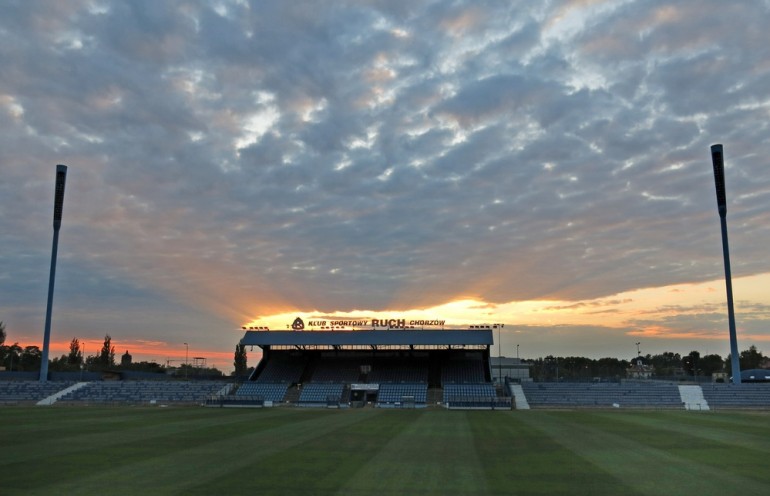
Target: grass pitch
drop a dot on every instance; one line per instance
(156, 451)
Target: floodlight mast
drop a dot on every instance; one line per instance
(58, 206)
(717, 159)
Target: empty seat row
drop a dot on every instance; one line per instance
(11, 391)
(395, 393)
(268, 392)
(317, 393)
(455, 392)
(640, 394)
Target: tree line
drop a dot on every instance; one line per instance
(29, 358)
(664, 365)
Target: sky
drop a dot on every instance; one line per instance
(545, 165)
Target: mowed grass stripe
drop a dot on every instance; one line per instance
(740, 450)
(379, 452)
(648, 461)
(318, 465)
(746, 430)
(68, 431)
(170, 463)
(433, 454)
(522, 460)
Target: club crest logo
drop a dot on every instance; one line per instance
(298, 325)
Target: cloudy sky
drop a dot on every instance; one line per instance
(541, 164)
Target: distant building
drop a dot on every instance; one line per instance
(510, 368)
(639, 369)
(125, 360)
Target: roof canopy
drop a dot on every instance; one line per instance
(473, 337)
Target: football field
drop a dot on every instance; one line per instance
(175, 450)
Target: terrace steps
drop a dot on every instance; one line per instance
(518, 397)
(52, 399)
(692, 397)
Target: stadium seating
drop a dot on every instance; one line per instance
(29, 391)
(337, 371)
(737, 395)
(282, 369)
(459, 371)
(629, 394)
(461, 392)
(392, 394)
(396, 372)
(144, 392)
(319, 394)
(265, 391)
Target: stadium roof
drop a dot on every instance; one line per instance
(368, 338)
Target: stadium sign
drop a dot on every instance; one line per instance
(299, 324)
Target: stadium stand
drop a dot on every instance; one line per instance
(336, 370)
(481, 395)
(577, 395)
(13, 392)
(320, 394)
(392, 395)
(185, 392)
(282, 368)
(262, 390)
(755, 395)
(462, 371)
(372, 367)
(395, 372)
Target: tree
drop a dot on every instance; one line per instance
(710, 364)
(11, 356)
(75, 356)
(691, 363)
(666, 364)
(31, 358)
(749, 359)
(2, 333)
(106, 356)
(240, 360)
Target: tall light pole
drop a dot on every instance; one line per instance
(58, 206)
(186, 354)
(718, 161)
(498, 326)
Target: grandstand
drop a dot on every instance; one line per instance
(388, 369)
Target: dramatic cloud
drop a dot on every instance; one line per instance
(234, 160)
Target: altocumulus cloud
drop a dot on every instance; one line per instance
(236, 158)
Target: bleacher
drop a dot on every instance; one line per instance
(460, 371)
(391, 394)
(474, 396)
(395, 372)
(461, 392)
(12, 392)
(320, 394)
(186, 392)
(603, 395)
(263, 391)
(282, 369)
(336, 370)
(737, 395)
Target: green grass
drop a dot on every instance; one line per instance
(155, 451)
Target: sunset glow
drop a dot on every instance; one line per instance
(541, 165)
